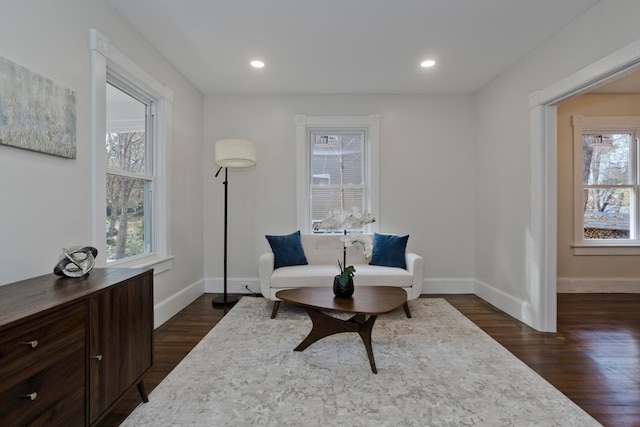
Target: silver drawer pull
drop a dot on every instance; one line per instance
(32, 343)
(31, 396)
(98, 357)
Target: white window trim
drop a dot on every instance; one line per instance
(303, 123)
(107, 60)
(595, 123)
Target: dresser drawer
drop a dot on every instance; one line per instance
(53, 396)
(31, 346)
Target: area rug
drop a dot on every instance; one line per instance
(435, 369)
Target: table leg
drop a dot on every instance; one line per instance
(365, 334)
(325, 325)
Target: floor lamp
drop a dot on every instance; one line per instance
(231, 153)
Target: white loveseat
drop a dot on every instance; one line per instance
(323, 252)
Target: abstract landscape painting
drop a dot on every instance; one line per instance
(35, 113)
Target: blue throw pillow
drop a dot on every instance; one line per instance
(287, 250)
(388, 250)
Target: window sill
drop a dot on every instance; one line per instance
(159, 264)
(606, 249)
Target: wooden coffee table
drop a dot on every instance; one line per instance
(366, 301)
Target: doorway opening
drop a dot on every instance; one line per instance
(543, 119)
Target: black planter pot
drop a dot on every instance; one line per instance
(343, 291)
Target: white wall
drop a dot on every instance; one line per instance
(46, 200)
(426, 179)
(506, 266)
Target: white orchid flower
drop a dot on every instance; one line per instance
(365, 240)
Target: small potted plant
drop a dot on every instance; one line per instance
(343, 282)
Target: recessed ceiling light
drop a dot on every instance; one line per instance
(257, 64)
(428, 63)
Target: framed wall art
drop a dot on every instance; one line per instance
(35, 113)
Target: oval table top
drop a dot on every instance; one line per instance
(371, 300)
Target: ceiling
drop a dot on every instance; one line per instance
(346, 46)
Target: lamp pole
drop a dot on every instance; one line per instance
(224, 299)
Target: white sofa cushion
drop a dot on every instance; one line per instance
(375, 275)
(302, 276)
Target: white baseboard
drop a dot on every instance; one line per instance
(448, 286)
(168, 308)
(598, 285)
(500, 299)
(515, 307)
(429, 286)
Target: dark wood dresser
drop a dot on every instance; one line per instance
(71, 347)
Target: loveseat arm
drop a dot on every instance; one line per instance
(265, 269)
(415, 266)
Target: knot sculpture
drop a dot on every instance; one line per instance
(76, 261)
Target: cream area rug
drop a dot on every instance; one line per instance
(435, 369)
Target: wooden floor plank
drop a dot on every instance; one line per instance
(594, 358)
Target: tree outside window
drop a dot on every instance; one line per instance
(607, 181)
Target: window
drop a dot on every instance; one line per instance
(337, 166)
(337, 170)
(131, 128)
(606, 185)
(129, 177)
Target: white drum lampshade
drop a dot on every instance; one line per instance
(235, 153)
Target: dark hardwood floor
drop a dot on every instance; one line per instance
(594, 359)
